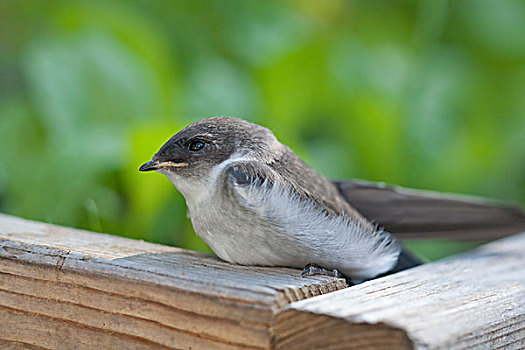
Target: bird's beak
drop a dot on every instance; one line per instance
(155, 165)
(149, 166)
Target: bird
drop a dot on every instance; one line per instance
(255, 202)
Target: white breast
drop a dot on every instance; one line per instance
(269, 225)
(199, 191)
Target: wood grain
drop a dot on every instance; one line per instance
(62, 288)
(470, 301)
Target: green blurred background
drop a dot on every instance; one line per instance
(426, 94)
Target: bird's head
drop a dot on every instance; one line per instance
(192, 153)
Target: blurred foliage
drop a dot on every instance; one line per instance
(426, 94)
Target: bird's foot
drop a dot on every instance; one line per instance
(313, 270)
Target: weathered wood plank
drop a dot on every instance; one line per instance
(470, 301)
(64, 288)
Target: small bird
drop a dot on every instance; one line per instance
(255, 202)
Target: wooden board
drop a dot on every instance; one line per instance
(62, 288)
(471, 301)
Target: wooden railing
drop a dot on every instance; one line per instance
(62, 288)
(471, 301)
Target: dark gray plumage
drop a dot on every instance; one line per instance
(418, 214)
(228, 135)
(256, 203)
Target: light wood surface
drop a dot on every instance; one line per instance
(62, 288)
(470, 301)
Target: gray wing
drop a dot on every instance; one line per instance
(309, 183)
(302, 231)
(414, 214)
(303, 181)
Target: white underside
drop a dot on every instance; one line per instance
(270, 226)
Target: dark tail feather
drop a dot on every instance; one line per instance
(406, 261)
(414, 214)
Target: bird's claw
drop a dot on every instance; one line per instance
(314, 270)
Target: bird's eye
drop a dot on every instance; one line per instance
(196, 146)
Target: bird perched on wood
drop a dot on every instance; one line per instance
(255, 202)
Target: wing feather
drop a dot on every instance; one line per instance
(306, 232)
(415, 214)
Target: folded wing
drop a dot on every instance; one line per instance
(301, 230)
(415, 214)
